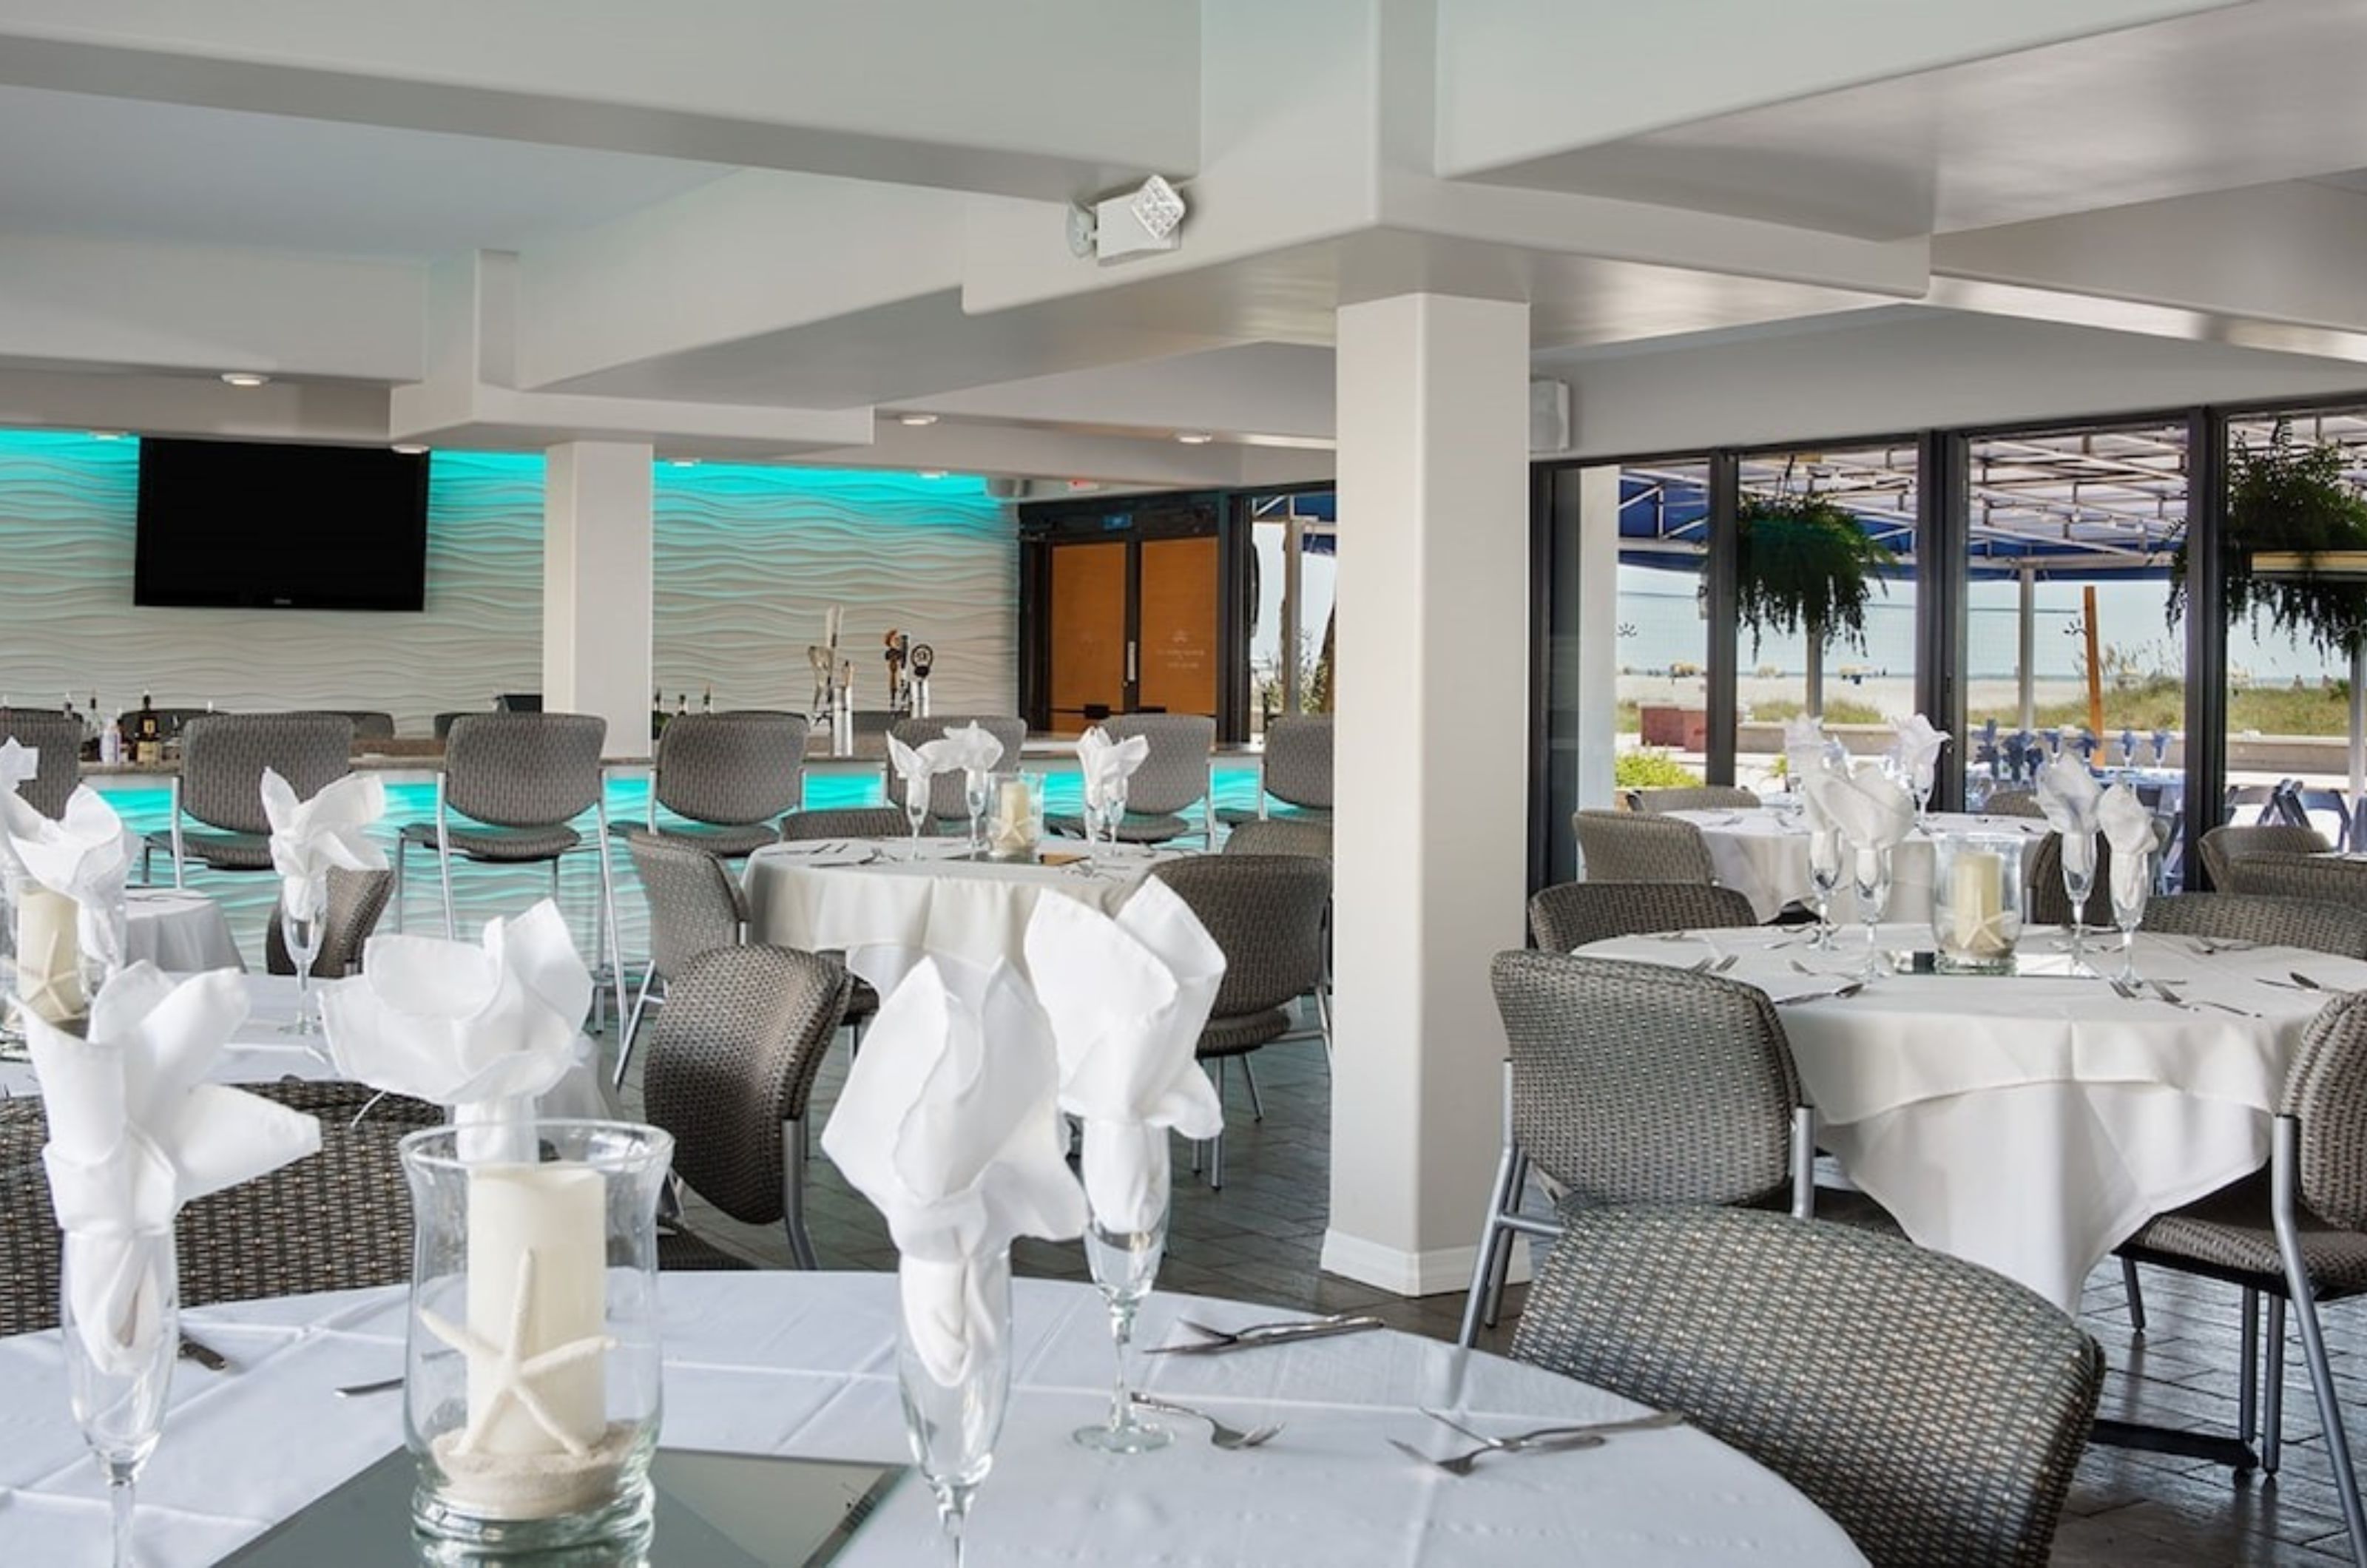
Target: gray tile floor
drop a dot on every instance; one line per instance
(1259, 1239)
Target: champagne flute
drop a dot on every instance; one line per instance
(302, 934)
(1124, 1263)
(119, 1312)
(976, 789)
(2129, 896)
(953, 1428)
(1870, 881)
(1113, 807)
(1095, 797)
(1825, 878)
(916, 807)
(2077, 885)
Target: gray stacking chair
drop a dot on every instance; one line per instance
(1636, 846)
(2278, 922)
(1569, 914)
(219, 786)
(1637, 1082)
(370, 723)
(512, 786)
(729, 1075)
(1296, 771)
(947, 805)
(1174, 776)
(2295, 1234)
(848, 822)
(2327, 878)
(1933, 1409)
(1695, 798)
(59, 740)
(356, 900)
(1266, 913)
(337, 1220)
(1281, 836)
(695, 906)
(727, 778)
(2011, 803)
(2226, 844)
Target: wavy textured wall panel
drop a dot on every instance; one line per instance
(746, 560)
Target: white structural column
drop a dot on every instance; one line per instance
(1597, 683)
(597, 544)
(1431, 754)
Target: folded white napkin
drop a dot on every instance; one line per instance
(2070, 797)
(916, 766)
(135, 1132)
(484, 1028)
(85, 856)
(1127, 999)
(971, 748)
(1803, 745)
(2128, 827)
(1871, 813)
(1107, 764)
(1915, 751)
(330, 830)
(948, 1122)
(17, 764)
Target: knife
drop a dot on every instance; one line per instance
(1289, 1334)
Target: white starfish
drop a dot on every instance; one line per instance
(58, 996)
(513, 1374)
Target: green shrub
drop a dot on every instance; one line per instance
(1651, 768)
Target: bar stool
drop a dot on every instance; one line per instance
(516, 781)
(727, 777)
(219, 786)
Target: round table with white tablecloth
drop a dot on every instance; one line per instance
(887, 903)
(1763, 855)
(2033, 1121)
(177, 930)
(805, 1364)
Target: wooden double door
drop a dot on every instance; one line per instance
(1133, 629)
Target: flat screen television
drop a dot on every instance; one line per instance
(258, 525)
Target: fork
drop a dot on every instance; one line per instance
(1516, 1441)
(1461, 1465)
(1231, 1439)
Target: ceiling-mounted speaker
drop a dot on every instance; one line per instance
(1549, 417)
(1000, 488)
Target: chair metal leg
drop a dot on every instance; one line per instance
(2282, 1203)
(615, 932)
(180, 852)
(2248, 1395)
(1494, 1237)
(1803, 1162)
(1257, 1105)
(793, 1194)
(444, 862)
(1499, 1268)
(1323, 1015)
(1216, 1144)
(2272, 1401)
(2135, 1293)
(632, 1026)
(402, 845)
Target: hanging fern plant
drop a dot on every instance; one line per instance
(2288, 497)
(1804, 564)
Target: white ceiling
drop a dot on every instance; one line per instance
(117, 168)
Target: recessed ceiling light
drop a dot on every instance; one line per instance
(246, 378)
(1194, 437)
(932, 473)
(916, 419)
(106, 435)
(410, 449)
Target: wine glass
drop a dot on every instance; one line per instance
(303, 933)
(916, 808)
(1113, 808)
(2077, 886)
(952, 1428)
(977, 790)
(1870, 881)
(1825, 877)
(118, 1306)
(2129, 896)
(1125, 1262)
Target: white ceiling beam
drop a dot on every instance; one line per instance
(1048, 99)
(55, 398)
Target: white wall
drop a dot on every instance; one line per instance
(747, 559)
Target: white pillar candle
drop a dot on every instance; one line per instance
(559, 1210)
(1975, 900)
(1013, 830)
(49, 954)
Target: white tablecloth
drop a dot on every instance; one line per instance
(1763, 855)
(259, 1053)
(2033, 1122)
(804, 1364)
(887, 903)
(180, 932)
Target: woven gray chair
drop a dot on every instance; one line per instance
(2011, 803)
(2295, 1234)
(219, 785)
(2277, 922)
(1174, 777)
(370, 723)
(848, 822)
(2327, 878)
(947, 805)
(2048, 903)
(1633, 1083)
(1633, 846)
(1696, 797)
(1935, 1410)
(1281, 836)
(516, 782)
(729, 1074)
(2226, 844)
(1567, 915)
(1266, 913)
(356, 901)
(726, 778)
(1296, 771)
(695, 906)
(59, 740)
(337, 1220)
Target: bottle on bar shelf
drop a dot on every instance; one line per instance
(148, 734)
(706, 703)
(110, 737)
(681, 704)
